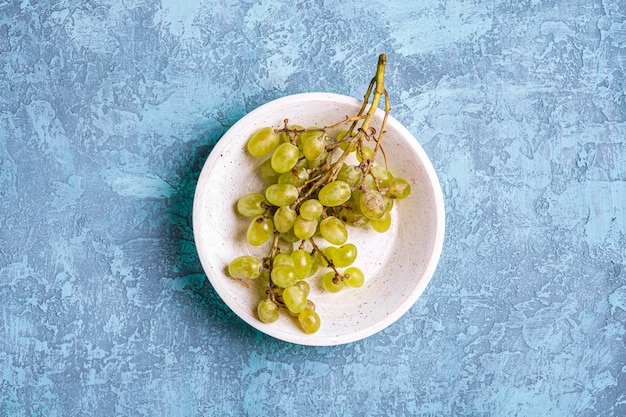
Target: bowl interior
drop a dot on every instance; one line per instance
(398, 264)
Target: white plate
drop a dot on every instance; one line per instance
(398, 264)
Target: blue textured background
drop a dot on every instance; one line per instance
(109, 108)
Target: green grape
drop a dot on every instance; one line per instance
(309, 321)
(370, 182)
(284, 275)
(365, 154)
(259, 230)
(290, 236)
(313, 146)
(334, 230)
(281, 194)
(267, 311)
(344, 143)
(331, 282)
(303, 228)
(399, 188)
(382, 175)
(294, 298)
(245, 266)
(315, 265)
(344, 255)
(283, 259)
(372, 204)
(285, 157)
(350, 214)
(284, 218)
(303, 263)
(350, 174)
(335, 193)
(318, 161)
(284, 246)
(296, 176)
(311, 209)
(304, 286)
(383, 224)
(252, 205)
(329, 252)
(354, 277)
(388, 202)
(267, 172)
(262, 142)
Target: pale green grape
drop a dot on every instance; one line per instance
(304, 286)
(334, 193)
(314, 163)
(303, 263)
(267, 311)
(311, 209)
(245, 266)
(331, 282)
(281, 194)
(303, 228)
(284, 218)
(334, 230)
(344, 255)
(283, 259)
(350, 174)
(260, 230)
(350, 214)
(382, 175)
(313, 146)
(388, 202)
(284, 275)
(329, 252)
(354, 277)
(309, 321)
(294, 298)
(372, 204)
(262, 142)
(399, 188)
(383, 224)
(252, 205)
(365, 154)
(267, 172)
(285, 157)
(296, 176)
(370, 182)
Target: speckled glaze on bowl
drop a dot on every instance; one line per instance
(398, 264)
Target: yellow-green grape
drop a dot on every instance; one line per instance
(267, 172)
(334, 230)
(383, 224)
(283, 259)
(317, 161)
(303, 228)
(281, 194)
(399, 188)
(284, 275)
(304, 286)
(309, 321)
(344, 255)
(252, 205)
(334, 193)
(350, 174)
(311, 209)
(267, 311)
(329, 252)
(262, 142)
(370, 182)
(313, 146)
(365, 154)
(294, 298)
(382, 175)
(344, 143)
(285, 157)
(353, 277)
(350, 214)
(315, 265)
(372, 204)
(388, 202)
(303, 263)
(284, 218)
(260, 230)
(290, 236)
(245, 266)
(296, 176)
(331, 282)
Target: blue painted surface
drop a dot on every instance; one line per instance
(109, 108)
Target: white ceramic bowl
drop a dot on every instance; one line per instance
(398, 264)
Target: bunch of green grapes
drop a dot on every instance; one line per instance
(320, 182)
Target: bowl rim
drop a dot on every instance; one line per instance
(430, 266)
